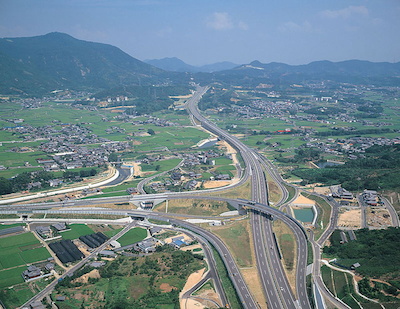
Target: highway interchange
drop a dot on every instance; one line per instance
(276, 288)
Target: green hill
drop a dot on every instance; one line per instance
(36, 65)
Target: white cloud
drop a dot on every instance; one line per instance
(346, 12)
(220, 21)
(291, 26)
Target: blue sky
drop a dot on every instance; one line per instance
(207, 31)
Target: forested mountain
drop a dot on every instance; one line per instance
(351, 71)
(57, 61)
(177, 65)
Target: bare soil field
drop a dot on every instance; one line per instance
(350, 218)
(378, 217)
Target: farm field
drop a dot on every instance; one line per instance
(11, 277)
(133, 235)
(20, 250)
(76, 231)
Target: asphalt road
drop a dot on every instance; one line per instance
(276, 287)
(275, 284)
(124, 173)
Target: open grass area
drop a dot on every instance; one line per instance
(173, 138)
(243, 192)
(76, 231)
(133, 235)
(11, 277)
(236, 235)
(229, 289)
(274, 192)
(20, 250)
(121, 187)
(341, 285)
(34, 255)
(194, 207)
(15, 171)
(111, 233)
(6, 226)
(288, 247)
(16, 296)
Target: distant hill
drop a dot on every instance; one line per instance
(351, 71)
(58, 61)
(177, 65)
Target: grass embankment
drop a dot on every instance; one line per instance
(274, 192)
(288, 247)
(341, 285)
(77, 216)
(292, 192)
(194, 207)
(324, 214)
(236, 235)
(243, 192)
(229, 289)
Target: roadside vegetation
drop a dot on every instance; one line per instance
(140, 282)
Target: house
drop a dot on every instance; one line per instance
(115, 244)
(355, 265)
(97, 264)
(147, 245)
(108, 253)
(131, 190)
(55, 182)
(37, 305)
(222, 177)
(155, 230)
(176, 176)
(49, 266)
(43, 231)
(178, 242)
(31, 272)
(59, 226)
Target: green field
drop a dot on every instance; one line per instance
(76, 231)
(12, 276)
(111, 233)
(6, 226)
(34, 255)
(133, 235)
(15, 297)
(20, 250)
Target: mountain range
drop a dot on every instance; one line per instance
(177, 65)
(59, 61)
(37, 65)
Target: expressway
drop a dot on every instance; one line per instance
(275, 284)
(273, 278)
(222, 249)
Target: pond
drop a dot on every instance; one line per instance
(305, 215)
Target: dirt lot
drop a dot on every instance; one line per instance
(250, 276)
(378, 217)
(349, 217)
(209, 184)
(191, 281)
(85, 278)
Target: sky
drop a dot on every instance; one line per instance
(207, 31)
